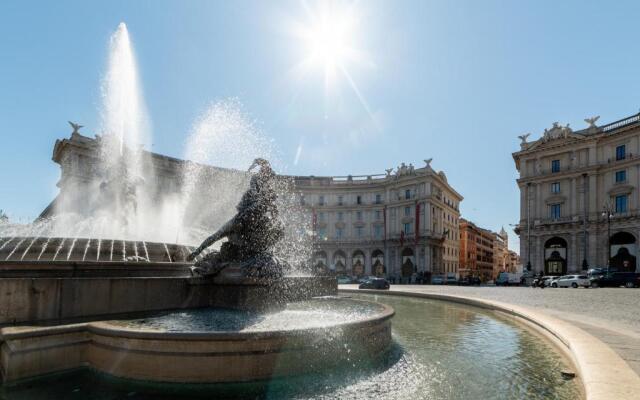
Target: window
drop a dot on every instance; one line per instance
(621, 152)
(378, 198)
(358, 199)
(339, 233)
(407, 194)
(302, 203)
(621, 203)
(340, 200)
(377, 231)
(321, 200)
(555, 211)
(359, 231)
(555, 187)
(621, 176)
(555, 166)
(378, 215)
(322, 233)
(321, 216)
(407, 211)
(358, 215)
(340, 216)
(408, 228)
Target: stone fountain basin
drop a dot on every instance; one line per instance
(137, 349)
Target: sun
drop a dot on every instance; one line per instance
(328, 44)
(328, 37)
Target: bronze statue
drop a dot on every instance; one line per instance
(252, 233)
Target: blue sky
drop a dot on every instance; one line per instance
(456, 81)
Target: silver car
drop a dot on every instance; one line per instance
(574, 281)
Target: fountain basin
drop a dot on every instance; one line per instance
(228, 346)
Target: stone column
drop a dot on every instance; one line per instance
(367, 262)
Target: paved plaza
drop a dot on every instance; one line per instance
(611, 315)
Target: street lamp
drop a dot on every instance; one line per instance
(608, 211)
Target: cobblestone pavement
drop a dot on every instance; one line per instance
(611, 315)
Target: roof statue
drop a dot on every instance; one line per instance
(389, 171)
(76, 127)
(523, 139)
(557, 131)
(592, 121)
(427, 162)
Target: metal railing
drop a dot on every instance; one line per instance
(621, 123)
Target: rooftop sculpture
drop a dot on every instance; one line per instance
(252, 233)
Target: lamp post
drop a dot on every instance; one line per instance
(608, 212)
(529, 226)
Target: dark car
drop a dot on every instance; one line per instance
(377, 283)
(616, 279)
(469, 280)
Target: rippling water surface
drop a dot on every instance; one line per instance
(440, 351)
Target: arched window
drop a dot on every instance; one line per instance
(357, 263)
(377, 263)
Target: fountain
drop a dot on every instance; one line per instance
(114, 282)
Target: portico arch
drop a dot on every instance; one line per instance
(408, 262)
(340, 262)
(357, 263)
(623, 252)
(377, 262)
(555, 256)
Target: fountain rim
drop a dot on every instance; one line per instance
(107, 327)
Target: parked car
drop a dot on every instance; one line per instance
(573, 281)
(344, 280)
(437, 280)
(598, 271)
(451, 280)
(375, 283)
(616, 279)
(553, 282)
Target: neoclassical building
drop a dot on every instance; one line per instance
(395, 224)
(575, 188)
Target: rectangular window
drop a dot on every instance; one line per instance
(339, 233)
(340, 200)
(359, 231)
(358, 199)
(621, 176)
(358, 215)
(408, 228)
(555, 187)
(378, 215)
(321, 216)
(407, 211)
(340, 216)
(555, 211)
(378, 198)
(621, 152)
(407, 194)
(555, 166)
(322, 233)
(621, 204)
(321, 200)
(377, 231)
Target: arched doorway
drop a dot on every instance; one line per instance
(408, 263)
(357, 263)
(320, 263)
(623, 251)
(555, 256)
(340, 263)
(377, 263)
